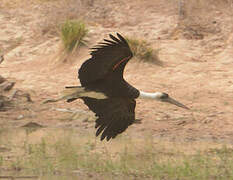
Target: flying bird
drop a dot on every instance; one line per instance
(105, 91)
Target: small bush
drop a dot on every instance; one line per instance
(142, 50)
(73, 33)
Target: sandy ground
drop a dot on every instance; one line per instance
(197, 68)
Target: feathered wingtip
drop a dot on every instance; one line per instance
(122, 38)
(108, 43)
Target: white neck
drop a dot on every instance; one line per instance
(145, 95)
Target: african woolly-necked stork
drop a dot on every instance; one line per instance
(105, 91)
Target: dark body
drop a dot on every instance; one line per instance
(113, 86)
(103, 73)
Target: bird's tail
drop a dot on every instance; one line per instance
(71, 93)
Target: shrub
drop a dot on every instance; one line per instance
(73, 33)
(142, 50)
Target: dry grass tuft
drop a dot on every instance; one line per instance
(143, 51)
(73, 34)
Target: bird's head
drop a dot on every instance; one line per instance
(164, 97)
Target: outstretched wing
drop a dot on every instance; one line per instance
(114, 115)
(110, 56)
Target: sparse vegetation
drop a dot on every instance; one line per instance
(142, 50)
(152, 161)
(73, 33)
(1, 161)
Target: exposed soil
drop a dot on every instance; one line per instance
(197, 70)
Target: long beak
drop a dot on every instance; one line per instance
(173, 101)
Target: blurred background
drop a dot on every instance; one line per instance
(184, 48)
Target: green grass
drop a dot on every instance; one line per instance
(151, 161)
(142, 50)
(1, 161)
(73, 33)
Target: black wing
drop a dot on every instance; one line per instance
(114, 115)
(107, 57)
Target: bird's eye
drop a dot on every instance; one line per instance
(164, 96)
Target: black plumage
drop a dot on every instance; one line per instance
(104, 90)
(114, 115)
(103, 72)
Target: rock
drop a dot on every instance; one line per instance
(7, 86)
(3, 102)
(1, 58)
(20, 94)
(32, 125)
(20, 117)
(2, 79)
